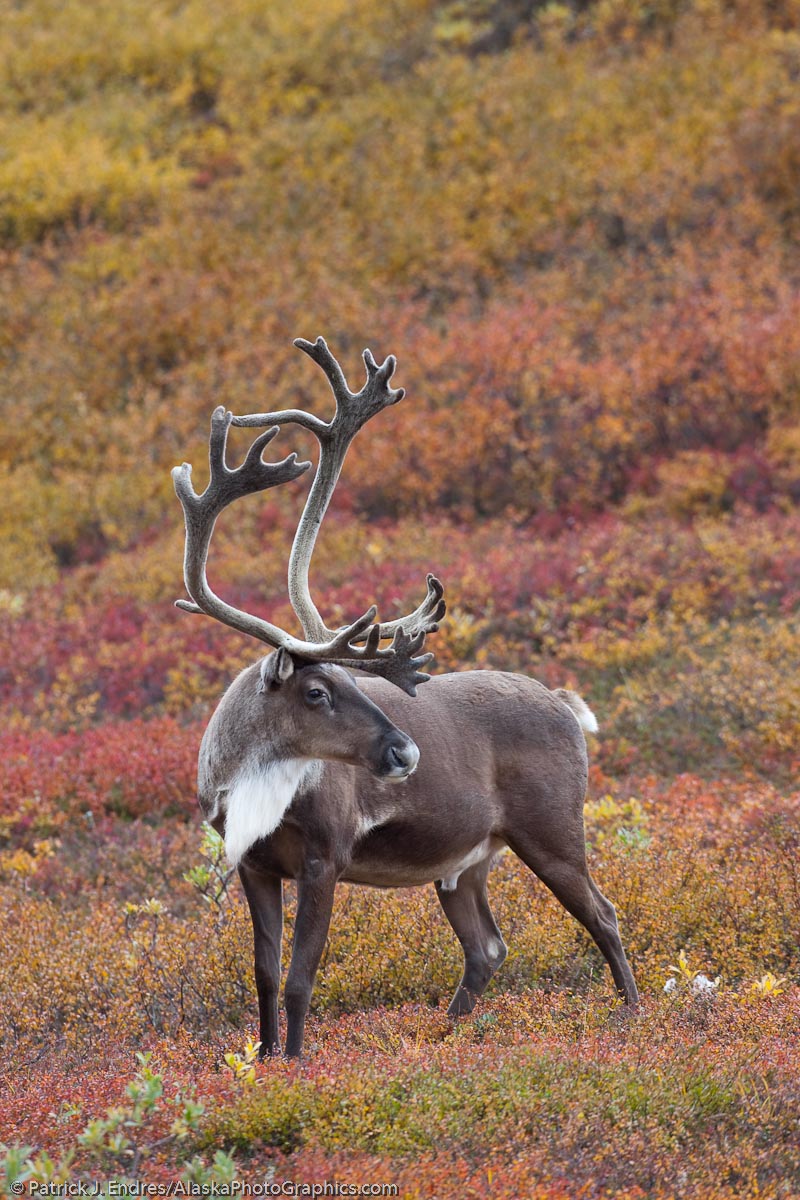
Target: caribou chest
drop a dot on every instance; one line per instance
(257, 799)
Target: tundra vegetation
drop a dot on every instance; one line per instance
(576, 226)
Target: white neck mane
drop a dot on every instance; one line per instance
(257, 800)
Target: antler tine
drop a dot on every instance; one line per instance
(323, 357)
(201, 512)
(353, 410)
(426, 617)
(397, 662)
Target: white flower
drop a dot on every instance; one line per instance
(702, 985)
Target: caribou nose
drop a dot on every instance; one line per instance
(401, 759)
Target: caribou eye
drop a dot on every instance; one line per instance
(318, 696)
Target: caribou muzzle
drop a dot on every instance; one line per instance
(399, 757)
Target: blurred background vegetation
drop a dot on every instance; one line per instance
(576, 225)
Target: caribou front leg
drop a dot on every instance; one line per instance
(265, 897)
(315, 889)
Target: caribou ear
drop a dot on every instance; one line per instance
(275, 669)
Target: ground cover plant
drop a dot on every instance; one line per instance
(576, 226)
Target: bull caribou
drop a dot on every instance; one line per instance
(321, 763)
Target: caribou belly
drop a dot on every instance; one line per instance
(396, 869)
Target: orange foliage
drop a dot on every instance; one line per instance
(575, 225)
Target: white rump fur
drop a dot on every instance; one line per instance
(257, 800)
(586, 718)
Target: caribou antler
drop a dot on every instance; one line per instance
(400, 662)
(353, 410)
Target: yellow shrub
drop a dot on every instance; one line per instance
(694, 481)
(54, 176)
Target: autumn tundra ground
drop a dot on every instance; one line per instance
(576, 226)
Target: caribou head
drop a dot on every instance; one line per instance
(319, 705)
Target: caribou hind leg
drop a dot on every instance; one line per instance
(569, 880)
(467, 909)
